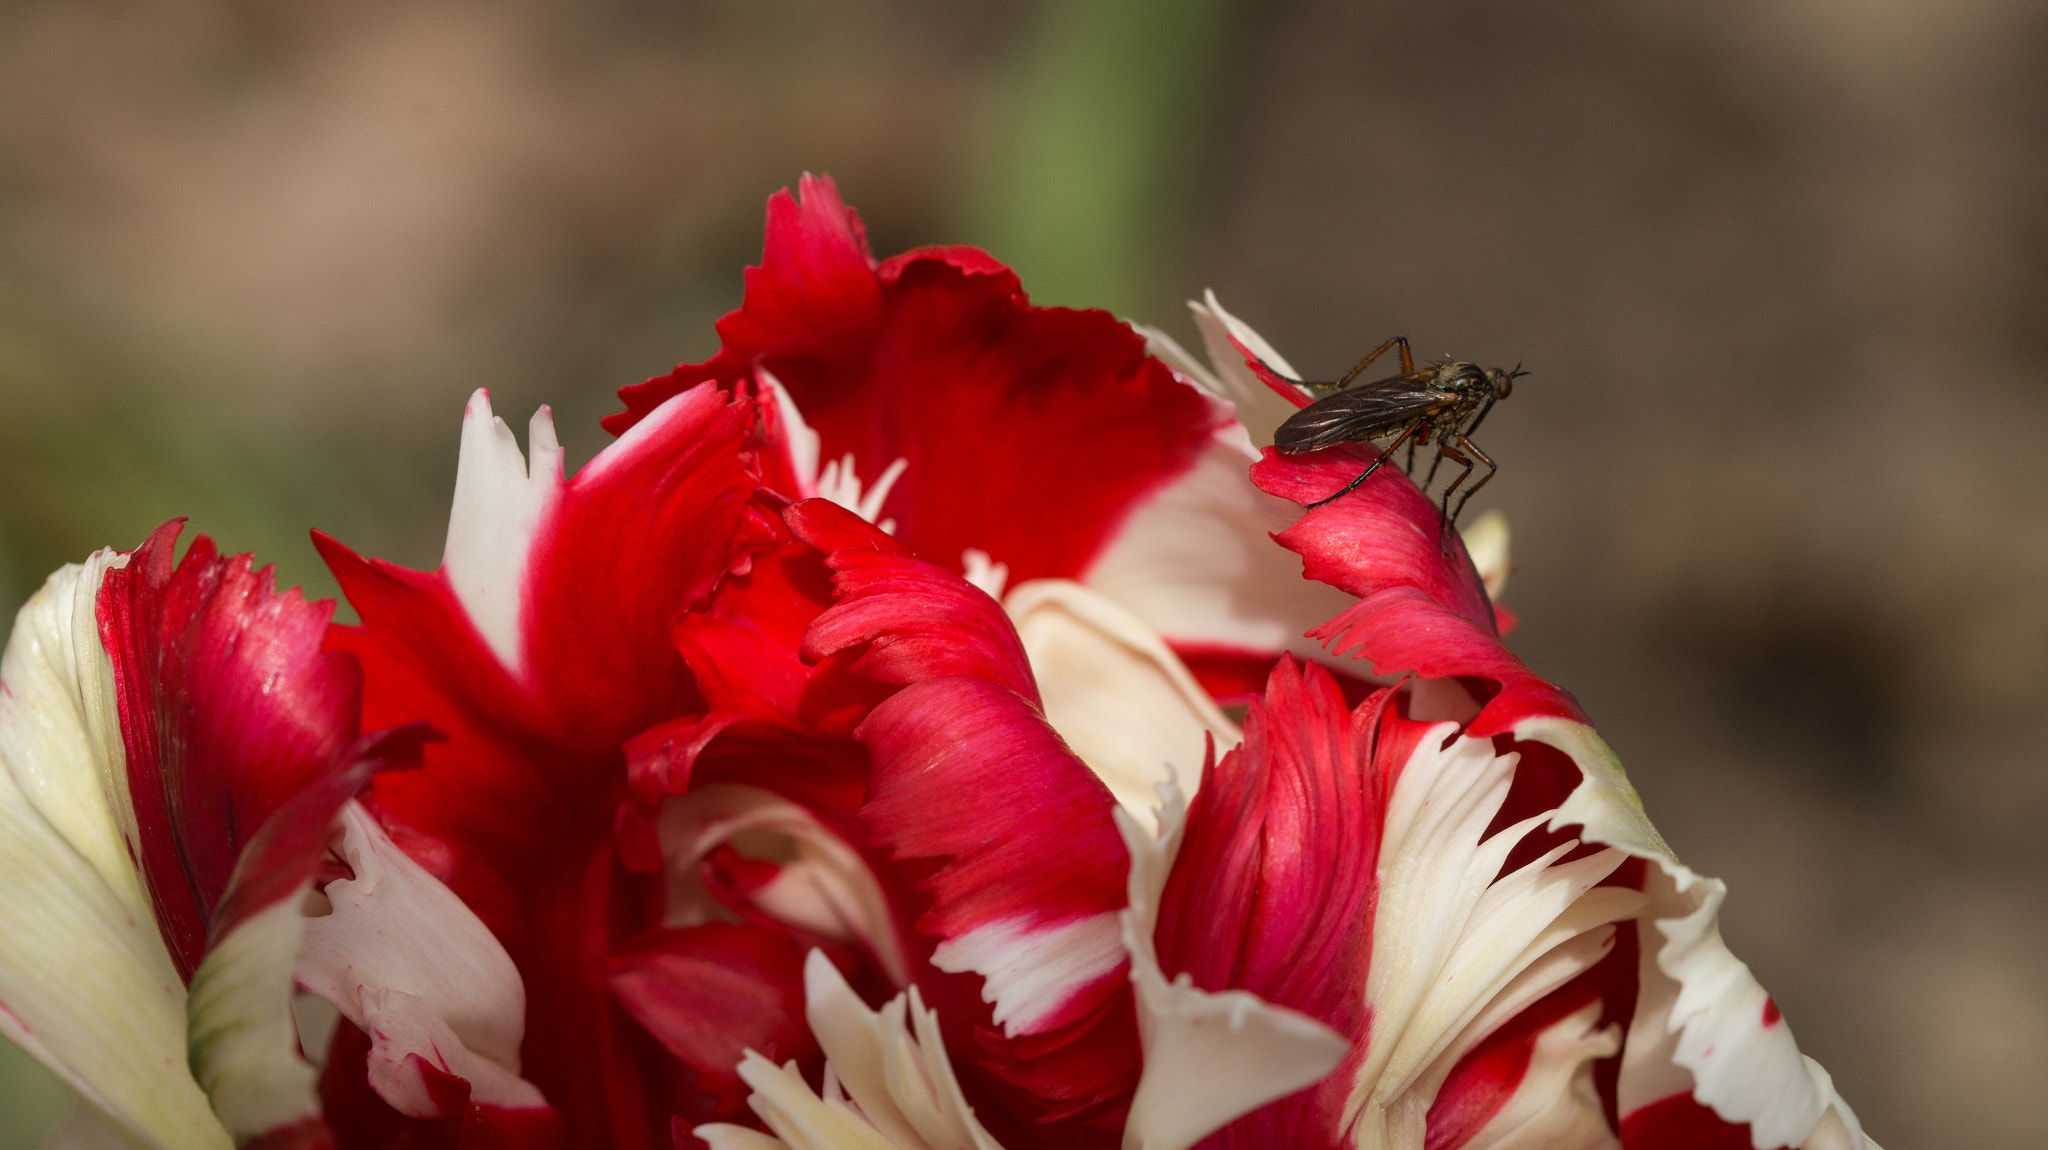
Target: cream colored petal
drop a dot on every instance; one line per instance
(500, 503)
(1114, 691)
(86, 985)
(1457, 947)
(1210, 1057)
(242, 1040)
(1486, 541)
(1556, 1105)
(1198, 564)
(1259, 408)
(1700, 1023)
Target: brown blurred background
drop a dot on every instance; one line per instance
(1780, 268)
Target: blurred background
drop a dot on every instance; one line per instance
(1780, 268)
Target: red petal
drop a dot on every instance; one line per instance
(923, 359)
(1273, 888)
(711, 993)
(1385, 534)
(814, 296)
(1017, 842)
(917, 621)
(288, 847)
(1680, 1123)
(1403, 630)
(967, 772)
(640, 533)
(238, 729)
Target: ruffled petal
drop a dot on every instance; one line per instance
(1701, 1027)
(814, 297)
(1273, 891)
(87, 985)
(917, 359)
(1383, 535)
(638, 534)
(229, 709)
(916, 621)
(1029, 883)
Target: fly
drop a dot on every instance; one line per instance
(1441, 403)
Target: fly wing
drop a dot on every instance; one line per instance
(1363, 413)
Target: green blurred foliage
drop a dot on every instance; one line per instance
(1085, 164)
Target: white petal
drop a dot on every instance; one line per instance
(1456, 949)
(1197, 563)
(1028, 971)
(1486, 541)
(1114, 691)
(405, 1031)
(840, 484)
(902, 1081)
(824, 886)
(1556, 1106)
(86, 985)
(1209, 1057)
(500, 505)
(1259, 408)
(886, 1087)
(243, 1040)
(980, 568)
(413, 967)
(1700, 1020)
(803, 444)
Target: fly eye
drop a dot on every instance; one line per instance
(1503, 383)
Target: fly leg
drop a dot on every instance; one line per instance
(1491, 467)
(1431, 477)
(1407, 360)
(1446, 451)
(1409, 467)
(1367, 473)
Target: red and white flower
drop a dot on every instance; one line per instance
(177, 749)
(845, 757)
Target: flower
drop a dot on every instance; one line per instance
(775, 807)
(176, 747)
